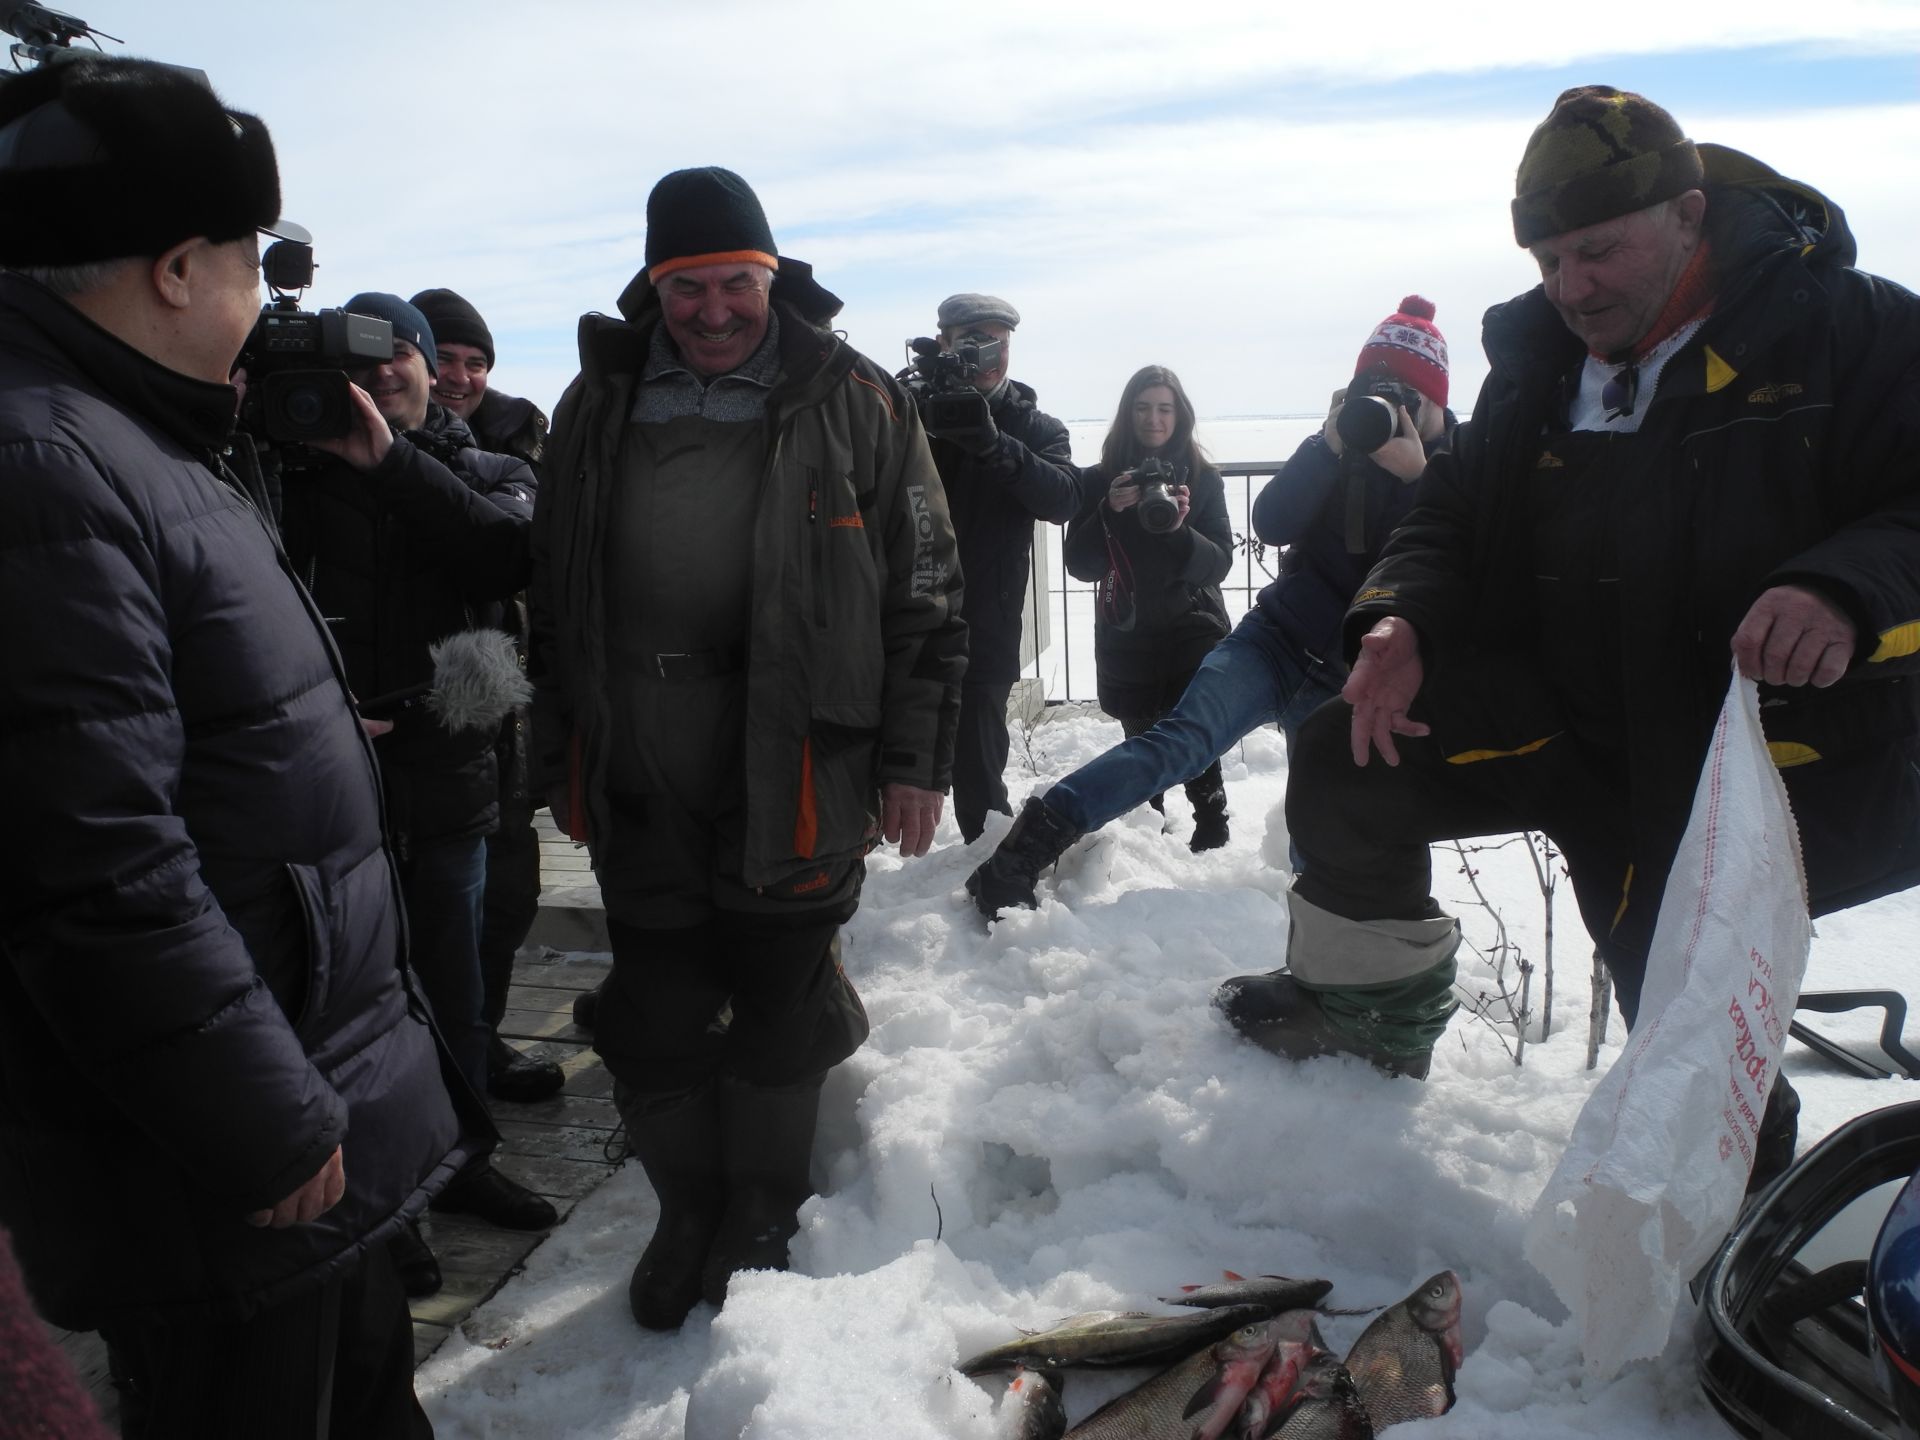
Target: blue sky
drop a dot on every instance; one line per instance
(1238, 190)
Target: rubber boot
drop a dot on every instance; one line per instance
(1391, 1027)
(767, 1154)
(1209, 797)
(678, 1142)
(1039, 837)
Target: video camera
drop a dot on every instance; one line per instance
(1159, 511)
(296, 360)
(941, 381)
(1368, 418)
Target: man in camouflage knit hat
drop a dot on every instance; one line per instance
(1697, 439)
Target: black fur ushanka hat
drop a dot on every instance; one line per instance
(106, 158)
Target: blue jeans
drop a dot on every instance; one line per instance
(445, 884)
(1256, 675)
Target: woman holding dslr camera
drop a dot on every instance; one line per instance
(1153, 532)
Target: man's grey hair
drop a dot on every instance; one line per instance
(72, 281)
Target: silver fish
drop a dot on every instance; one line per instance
(1195, 1400)
(1114, 1338)
(1036, 1396)
(1328, 1405)
(1403, 1364)
(1277, 1292)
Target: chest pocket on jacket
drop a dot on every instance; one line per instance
(844, 595)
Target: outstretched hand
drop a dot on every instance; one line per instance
(909, 815)
(1793, 636)
(1384, 681)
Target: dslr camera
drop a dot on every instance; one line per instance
(941, 382)
(1159, 511)
(1368, 420)
(296, 360)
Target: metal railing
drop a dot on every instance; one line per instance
(1066, 666)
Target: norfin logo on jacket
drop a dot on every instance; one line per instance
(928, 576)
(1549, 461)
(1774, 394)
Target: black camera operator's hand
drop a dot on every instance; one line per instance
(366, 445)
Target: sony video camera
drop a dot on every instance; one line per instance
(941, 382)
(296, 360)
(1368, 420)
(1159, 511)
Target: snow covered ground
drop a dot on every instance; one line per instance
(1050, 1118)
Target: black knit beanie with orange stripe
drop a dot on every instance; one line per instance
(707, 216)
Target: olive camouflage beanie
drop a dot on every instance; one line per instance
(1601, 154)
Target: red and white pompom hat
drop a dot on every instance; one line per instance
(1408, 347)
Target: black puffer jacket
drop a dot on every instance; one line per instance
(1779, 449)
(1159, 610)
(429, 543)
(1028, 475)
(201, 988)
(1332, 521)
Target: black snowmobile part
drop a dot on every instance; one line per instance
(1782, 1353)
(1892, 1026)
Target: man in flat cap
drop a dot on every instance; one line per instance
(1010, 465)
(1698, 441)
(219, 1094)
(746, 655)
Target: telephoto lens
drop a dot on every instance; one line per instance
(1366, 422)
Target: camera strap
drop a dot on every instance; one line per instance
(1116, 587)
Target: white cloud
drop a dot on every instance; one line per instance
(1145, 184)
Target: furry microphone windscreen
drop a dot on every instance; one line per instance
(477, 680)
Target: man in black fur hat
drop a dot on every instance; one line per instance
(747, 656)
(219, 1095)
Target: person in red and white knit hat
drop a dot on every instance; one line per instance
(1333, 506)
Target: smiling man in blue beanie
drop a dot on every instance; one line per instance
(219, 1094)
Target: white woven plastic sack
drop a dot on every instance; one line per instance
(1659, 1157)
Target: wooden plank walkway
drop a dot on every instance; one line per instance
(557, 1147)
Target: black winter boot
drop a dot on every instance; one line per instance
(678, 1142)
(1278, 1013)
(586, 1007)
(520, 1078)
(1038, 838)
(1209, 815)
(767, 1149)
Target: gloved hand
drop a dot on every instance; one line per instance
(961, 417)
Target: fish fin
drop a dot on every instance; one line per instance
(1231, 1275)
(1189, 1289)
(1202, 1399)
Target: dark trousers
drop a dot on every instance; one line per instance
(761, 997)
(980, 757)
(443, 883)
(509, 907)
(1363, 831)
(337, 1361)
